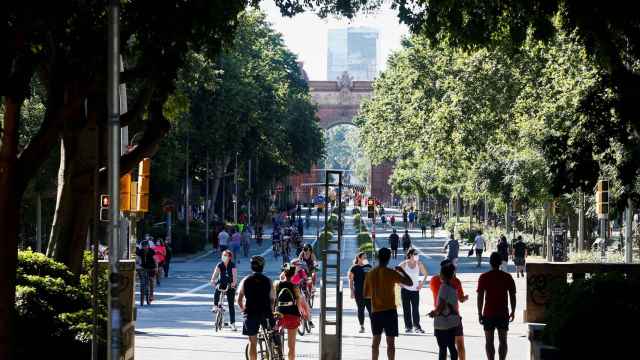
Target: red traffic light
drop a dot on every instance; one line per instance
(105, 201)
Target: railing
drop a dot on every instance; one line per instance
(541, 277)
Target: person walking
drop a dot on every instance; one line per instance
(235, 243)
(256, 300)
(147, 272)
(446, 316)
(287, 298)
(223, 240)
(453, 247)
(246, 241)
(225, 278)
(392, 220)
(496, 289)
(167, 258)
(405, 216)
(435, 284)
(357, 275)
(423, 228)
(519, 256)
(410, 295)
(379, 286)
(412, 219)
(394, 241)
(503, 250)
(406, 241)
(479, 245)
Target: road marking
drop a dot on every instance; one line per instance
(201, 256)
(197, 288)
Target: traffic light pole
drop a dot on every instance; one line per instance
(114, 339)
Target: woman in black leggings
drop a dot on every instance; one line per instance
(357, 274)
(447, 322)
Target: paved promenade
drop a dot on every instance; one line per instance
(179, 324)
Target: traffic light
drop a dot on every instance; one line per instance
(602, 199)
(105, 204)
(144, 172)
(371, 208)
(125, 192)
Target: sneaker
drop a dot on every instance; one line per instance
(233, 327)
(418, 330)
(361, 329)
(311, 324)
(408, 330)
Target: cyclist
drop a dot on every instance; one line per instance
(147, 269)
(256, 301)
(301, 279)
(275, 241)
(309, 258)
(287, 299)
(225, 277)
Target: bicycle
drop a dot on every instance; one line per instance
(219, 318)
(305, 325)
(269, 346)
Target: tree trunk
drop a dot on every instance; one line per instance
(11, 190)
(219, 168)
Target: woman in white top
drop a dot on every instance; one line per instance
(411, 294)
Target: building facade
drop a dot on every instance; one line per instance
(354, 50)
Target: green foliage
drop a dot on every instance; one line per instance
(357, 220)
(604, 301)
(365, 242)
(355, 210)
(53, 307)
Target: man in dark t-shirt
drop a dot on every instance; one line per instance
(519, 255)
(394, 241)
(496, 289)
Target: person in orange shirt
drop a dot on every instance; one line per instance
(435, 284)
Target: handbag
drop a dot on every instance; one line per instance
(470, 252)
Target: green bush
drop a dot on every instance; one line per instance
(53, 307)
(355, 211)
(332, 222)
(356, 220)
(363, 238)
(586, 319)
(467, 235)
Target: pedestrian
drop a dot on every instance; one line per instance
(379, 286)
(394, 241)
(383, 220)
(225, 278)
(433, 228)
(256, 298)
(410, 295)
(245, 240)
(405, 215)
(393, 221)
(503, 250)
(454, 249)
(412, 218)
(235, 243)
(479, 245)
(147, 272)
(519, 256)
(167, 258)
(435, 284)
(493, 312)
(288, 297)
(357, 274)
(446, 316)
(159, 256)
(406, 241)
(223, 239)
(423, 227)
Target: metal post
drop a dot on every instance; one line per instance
(581, 222)
(250, 196)
(187, 195)
(114, 339)
(206, 200)
(235, 191)
(628, 233)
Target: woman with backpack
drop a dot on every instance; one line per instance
(288, 299)
(447, 322)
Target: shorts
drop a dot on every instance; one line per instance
(496, 322)
(459, 331)
(386, 321)
(479, 252)
(251, 325)
(519, 261)
(289, 322)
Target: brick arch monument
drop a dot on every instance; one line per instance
(338, 103)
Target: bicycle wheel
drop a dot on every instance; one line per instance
(261, 351)
(219, 320)
(301, 327)
(307, 325)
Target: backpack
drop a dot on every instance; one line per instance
(285, 298)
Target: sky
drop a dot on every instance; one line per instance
(306, 35)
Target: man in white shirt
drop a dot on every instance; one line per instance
(479, 245)
(223, 240)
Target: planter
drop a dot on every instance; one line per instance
(539, 350)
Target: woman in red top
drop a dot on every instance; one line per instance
(435, 284)
(160, 253)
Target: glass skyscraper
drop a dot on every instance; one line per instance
(352, 49)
